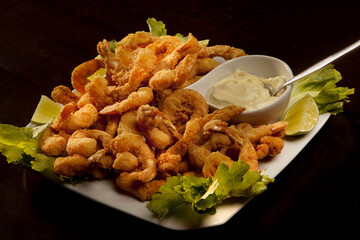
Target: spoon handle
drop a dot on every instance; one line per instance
(322, 63)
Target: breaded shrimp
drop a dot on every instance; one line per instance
(135, 144)
(128, 123)
(254, 134)
(199, 153)
(143, 95)
(79, 77)
(86, 142)
(125, 161)
(143, 191)
(71, 165)
(275, 144)
(248, 154)
(82, 118)
(64, 114)
(99, 92)
(213, 161)
(51, 143)
(156, 127)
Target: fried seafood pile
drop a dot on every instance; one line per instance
(139, 122)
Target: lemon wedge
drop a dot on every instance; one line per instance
(302, 116)
(101, 72)
(46, 110)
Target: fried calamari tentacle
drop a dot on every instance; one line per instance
(202, 67)
(164, 46)
(101, 159)
(174, 78)
(143, 95)
(183, 70)
(205, 65)
(162, 79)
(131, 56)
(224, 114)
(112, 125)
(63, 95)
(133, 41)
(182, 49)
(170, 160)
(117, 68)
(225, 51)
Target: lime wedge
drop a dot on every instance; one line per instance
(46, 110)
(101, 72)
(302, 116)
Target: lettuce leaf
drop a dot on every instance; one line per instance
(20, 146)
(184, 39)
(112, 45)
(202, 194)
(156, 27)
(321, 85)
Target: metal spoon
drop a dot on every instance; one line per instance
(314, 68)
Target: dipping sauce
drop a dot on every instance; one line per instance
(243, 89)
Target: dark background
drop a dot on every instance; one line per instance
(41, 42)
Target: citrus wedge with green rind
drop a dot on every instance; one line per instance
(46, 110)
(302, 116)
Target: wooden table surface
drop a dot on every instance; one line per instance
(41, 42)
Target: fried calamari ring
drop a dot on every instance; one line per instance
(183, 105)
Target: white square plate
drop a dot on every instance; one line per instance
(106, 191)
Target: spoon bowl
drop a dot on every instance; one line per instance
(259, 65)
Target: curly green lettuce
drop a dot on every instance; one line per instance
(202, 194)
(20, 146)
(321, 85)
(158, 29)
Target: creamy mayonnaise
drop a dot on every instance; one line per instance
(243, 89)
